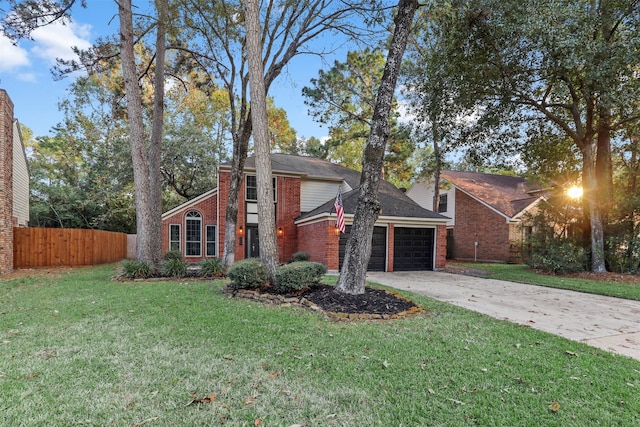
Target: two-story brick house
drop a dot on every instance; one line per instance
(406, 236)
(485, 213)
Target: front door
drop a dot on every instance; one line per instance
(253, 242)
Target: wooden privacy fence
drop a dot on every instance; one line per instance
(46, 247)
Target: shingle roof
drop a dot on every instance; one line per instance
(393, 201)
(311, 167)
(507, 194)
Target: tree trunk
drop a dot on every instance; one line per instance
(358, 250)
(590, 181)
(266, 209)
(155, 146)
(240, 148)
(144, 211)
(436, 175)
(604, 174)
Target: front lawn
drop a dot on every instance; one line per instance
(80, 349)
(614, 285)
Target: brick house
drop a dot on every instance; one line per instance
(14, 182)
(485, 213)
(406, 236)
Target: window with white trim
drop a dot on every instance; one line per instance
(174, 237)
(442, 204)
(193, 234)
(211, 240)
(251, 188)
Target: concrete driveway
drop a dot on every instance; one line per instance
(612, 324)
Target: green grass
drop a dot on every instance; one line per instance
(84, 350)
(522, 274)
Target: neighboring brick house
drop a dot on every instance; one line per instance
(14, 182)
(406, 236)
(485, 211)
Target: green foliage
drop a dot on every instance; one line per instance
(248, 273)
(556, 243)
(314, 147)
(132, 269)
(173, 255)
(622, 249)
(559, 257)
(174, 267)
(297, 276)
(343, 97)
(300, 256)
(211, 267)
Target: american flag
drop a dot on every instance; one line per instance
(339, 212)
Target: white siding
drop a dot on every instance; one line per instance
(20, 179)
(422, 194)
(316, 193)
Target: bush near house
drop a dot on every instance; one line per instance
(211, 268)
(173, 255)
(298, 275)
(249, 273)
(136, 269)
(299, 256)
(559, 257)
(174, 267)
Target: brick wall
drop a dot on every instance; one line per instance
(477, 223)
(213, 209)
(441, 246)
(287, 210)
(6, 183)
(321, 242)
(391, 241)
(207, 208)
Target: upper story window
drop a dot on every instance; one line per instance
(442, 205)
(251, 190)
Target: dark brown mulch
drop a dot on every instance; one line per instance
(373, 301)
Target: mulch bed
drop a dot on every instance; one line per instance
(374, 304)
(373, 301)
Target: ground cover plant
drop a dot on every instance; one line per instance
(77, 348)
(611, 284)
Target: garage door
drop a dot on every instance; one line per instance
(413, 249)
(378, 260)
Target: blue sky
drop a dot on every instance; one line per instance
(25, 71)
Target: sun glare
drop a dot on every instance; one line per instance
(574, 192)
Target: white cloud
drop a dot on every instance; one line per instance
(12, 56)
(57, 40)
(27, 77)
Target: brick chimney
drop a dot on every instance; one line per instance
(6, 183)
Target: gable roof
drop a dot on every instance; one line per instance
(509, 195)
(305, 167)
(394, 202)
(189, 203)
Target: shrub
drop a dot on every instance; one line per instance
(559, 258)
(211, 268)
(298, 275)
(299, 256)
(248, 273)
(136, 269)
(174, 268)
(622, 249)
(173, 255)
